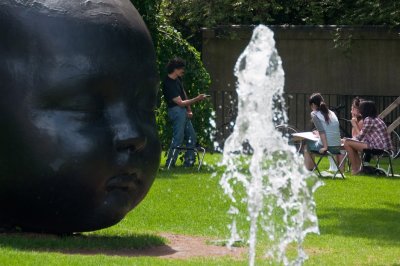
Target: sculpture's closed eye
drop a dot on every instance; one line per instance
(131, 144)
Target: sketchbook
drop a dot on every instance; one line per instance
(305, 135)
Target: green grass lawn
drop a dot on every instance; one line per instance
(359, 220)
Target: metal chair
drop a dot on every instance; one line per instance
(197, 150)
(379, 154)
(333, 156)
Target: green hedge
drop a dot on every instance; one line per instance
(169, 43)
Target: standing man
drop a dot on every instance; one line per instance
(179, 111)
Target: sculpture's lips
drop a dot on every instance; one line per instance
(127, 181)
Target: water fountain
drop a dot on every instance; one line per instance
(264, 177)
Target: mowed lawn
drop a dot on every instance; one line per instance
(359, 220)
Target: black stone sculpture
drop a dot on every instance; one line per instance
(78, 142)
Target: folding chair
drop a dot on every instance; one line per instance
(197, 150)
(379, 154)
(333, 157)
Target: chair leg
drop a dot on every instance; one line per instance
(202, 157)
(391, 167)
(338, 166)
(390, 170)
(196, 150)
(172, 156)
(316, 166)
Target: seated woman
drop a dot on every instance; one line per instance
(327, 126)
(356, 118)
(373, 135)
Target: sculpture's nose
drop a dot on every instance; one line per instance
(126, 133)
(131, 144)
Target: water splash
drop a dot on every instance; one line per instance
(265, 177)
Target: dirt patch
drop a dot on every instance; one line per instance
(178, 247)
(189, 246)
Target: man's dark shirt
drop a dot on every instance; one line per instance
(172, 88)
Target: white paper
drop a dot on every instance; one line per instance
(306, 135)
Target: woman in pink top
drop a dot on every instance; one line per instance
(373, 135)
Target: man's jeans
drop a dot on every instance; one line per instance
(182, 131)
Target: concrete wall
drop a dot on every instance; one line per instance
(362, 61)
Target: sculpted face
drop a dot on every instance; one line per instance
(78, 141)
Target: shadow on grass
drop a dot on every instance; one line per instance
(133, 245)
(381, 225)
(178, 171)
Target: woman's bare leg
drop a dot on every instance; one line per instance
(352, 148)
(309, 160)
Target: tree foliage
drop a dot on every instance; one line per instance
(188, 16)
(278, 12)
(169, 43)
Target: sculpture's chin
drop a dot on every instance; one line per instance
(117, 203)
(123, 193)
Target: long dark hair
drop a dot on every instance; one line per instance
(318, 100)
(368, 109)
